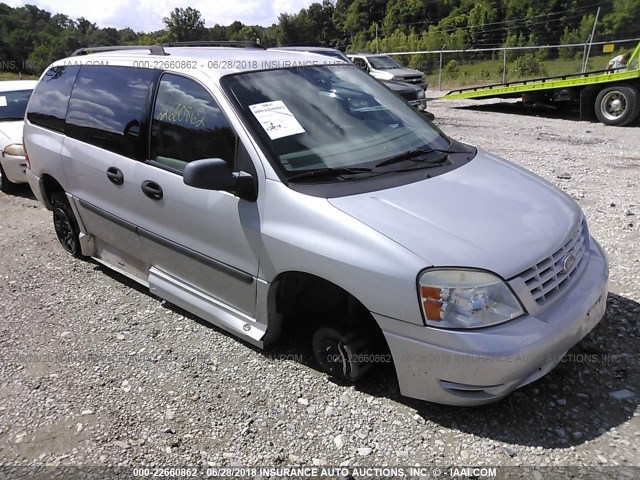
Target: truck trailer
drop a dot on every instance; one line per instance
(611, 96)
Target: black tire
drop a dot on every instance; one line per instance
(65, 224)
(6, 185)
(341, 355)
(618, 105)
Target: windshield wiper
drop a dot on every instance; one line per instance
(418, 152)
(329, 172)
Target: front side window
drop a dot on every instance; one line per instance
(360, 63)
(188, 125)
(48, 105)
(108, 108)
(330, 117)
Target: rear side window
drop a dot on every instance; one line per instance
(188, 125)
(108, 108)
(48, 105)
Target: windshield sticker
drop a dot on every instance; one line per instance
(276, 119)
(3, 101)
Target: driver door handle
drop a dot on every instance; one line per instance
(115, 175)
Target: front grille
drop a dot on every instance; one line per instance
(410, 95)
(549, 277)
(412, 80)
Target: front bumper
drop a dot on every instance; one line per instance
(475, 367)
(15, 168)
(420, 104)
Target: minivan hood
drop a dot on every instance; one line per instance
(487, 214)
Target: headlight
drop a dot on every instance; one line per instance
(466, 299)
(15, 149)
(397, 79)
(421, 93)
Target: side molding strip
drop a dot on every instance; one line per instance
(165, 242)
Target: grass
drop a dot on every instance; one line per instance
(15, 76)
(486, 72)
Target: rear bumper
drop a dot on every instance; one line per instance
(477, 367)
(15, 168)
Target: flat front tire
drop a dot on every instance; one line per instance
(65, 224)
(618, 105)
(344, 356)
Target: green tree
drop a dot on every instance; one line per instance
(624, 20)
(185, 24)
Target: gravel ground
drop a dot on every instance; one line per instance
(96, 371)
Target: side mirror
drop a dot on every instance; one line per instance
(215, 174)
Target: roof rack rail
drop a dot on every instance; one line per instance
(216, 43)
(153, 49)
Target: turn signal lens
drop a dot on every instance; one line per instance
(431, 303)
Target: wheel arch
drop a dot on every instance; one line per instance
(50, 186)
(587, 102)
(295, 291)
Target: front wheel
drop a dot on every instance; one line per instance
(618, 105)
(65, 224)
(344, 356)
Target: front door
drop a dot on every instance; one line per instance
(205, 243)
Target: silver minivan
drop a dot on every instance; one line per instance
(265, 190)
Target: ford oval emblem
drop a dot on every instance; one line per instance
(568, 262)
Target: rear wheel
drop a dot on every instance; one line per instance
(345, 356)
(6, 185)
(65, 224)
(618, 105)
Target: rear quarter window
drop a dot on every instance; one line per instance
(48, 105)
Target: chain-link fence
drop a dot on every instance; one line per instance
(450, 69)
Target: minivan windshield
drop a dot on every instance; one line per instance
(13, 104)
(332, 117)
(382, 62)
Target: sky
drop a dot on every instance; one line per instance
(147, 15)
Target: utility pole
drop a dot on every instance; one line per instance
(504, 65)
(590, 41)
(440, 70)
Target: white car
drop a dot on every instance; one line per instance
(14, 96)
